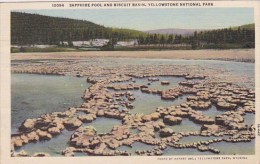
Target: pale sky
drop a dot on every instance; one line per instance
(149, 19)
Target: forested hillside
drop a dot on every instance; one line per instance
(37, 29)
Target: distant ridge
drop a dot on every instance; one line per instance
(188, 32)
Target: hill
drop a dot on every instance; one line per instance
(38, 29)
(246, 26)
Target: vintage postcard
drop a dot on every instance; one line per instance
(133, 81)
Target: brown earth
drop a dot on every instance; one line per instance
(243, 55)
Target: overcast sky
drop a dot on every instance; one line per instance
(148, 19)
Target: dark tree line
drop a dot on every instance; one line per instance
(161, 39)
(243, 37)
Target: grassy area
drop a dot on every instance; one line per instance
(228, 46)
(151, 48)
(48, 49)
(134, 48)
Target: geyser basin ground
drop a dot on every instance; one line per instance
(47, 106)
